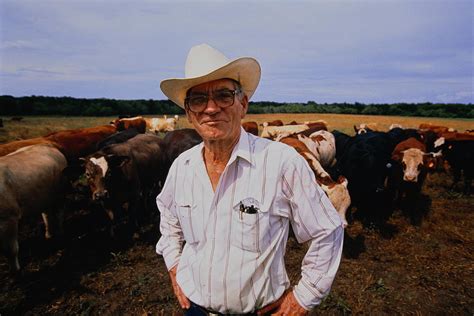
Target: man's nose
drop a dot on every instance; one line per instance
(211, 106)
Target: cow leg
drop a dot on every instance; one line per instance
(47, 233)
(110, 215)
(60, 220)
(9, 243)
(456, 177)
(467, 181)
(134, 215)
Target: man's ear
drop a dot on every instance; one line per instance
(188, 115)
(245, 105)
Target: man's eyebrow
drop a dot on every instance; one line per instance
(198, 93)
(205, 92)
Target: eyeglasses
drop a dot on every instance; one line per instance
(222, 98)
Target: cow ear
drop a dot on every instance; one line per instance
(356, 129)
(397, 156)
(342, 180)
(82, 161)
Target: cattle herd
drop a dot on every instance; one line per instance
(125, 163)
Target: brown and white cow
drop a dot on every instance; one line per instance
(273, 123)
(365, 127)
(164, 124)
(336, 191)
(324, 147)
(278, 132)
(410, 154)
(317, 125)
(10, 147)
(438, 129)
(76, 143)
(31, 182)
(136, 122)
(338, 195)
(251, 127)
(408, 174)
(395, 125)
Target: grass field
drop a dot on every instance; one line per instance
(403, 269)
(34, 126)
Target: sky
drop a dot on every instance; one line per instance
(378, 51)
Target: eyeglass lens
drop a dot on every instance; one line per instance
(223, 98)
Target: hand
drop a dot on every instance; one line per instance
(290, 306)
(182, 299)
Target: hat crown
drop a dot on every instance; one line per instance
(202, 60)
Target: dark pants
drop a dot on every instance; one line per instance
(196, 310)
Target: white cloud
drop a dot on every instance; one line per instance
(18, 44)
(362, 51)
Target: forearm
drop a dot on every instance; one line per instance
(319, 268)
(171, 241)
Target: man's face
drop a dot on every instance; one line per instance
(214, 122)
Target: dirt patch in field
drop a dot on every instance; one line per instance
(408, 269)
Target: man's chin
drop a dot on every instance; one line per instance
(213, 135)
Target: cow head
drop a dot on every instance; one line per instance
(338, 194)
(412, 164)
(99, 172)
(361, 129)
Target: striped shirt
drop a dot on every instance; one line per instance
(231, 260)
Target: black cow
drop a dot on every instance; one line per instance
(397, 135)
(364, 161)
(175, 143)
(125, 173)
(460, 156)
(118, 138)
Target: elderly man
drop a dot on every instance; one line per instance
(227, 203)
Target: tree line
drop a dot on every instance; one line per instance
(42, 105)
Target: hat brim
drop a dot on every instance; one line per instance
(245, 70)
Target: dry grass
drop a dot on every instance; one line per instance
(34, 126)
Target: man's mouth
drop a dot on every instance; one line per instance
(212, 122)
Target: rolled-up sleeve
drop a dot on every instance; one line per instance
(171, 241)
(313, 219)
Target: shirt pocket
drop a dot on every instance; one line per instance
(189, 221)
(250, 231)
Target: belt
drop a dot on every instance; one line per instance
(196, 310)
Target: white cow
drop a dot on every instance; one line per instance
(278, 132)
(165, 124)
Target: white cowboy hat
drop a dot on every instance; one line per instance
(205, 64)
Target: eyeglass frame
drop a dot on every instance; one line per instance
(209, 97)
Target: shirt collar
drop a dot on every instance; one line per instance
(242, 149)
